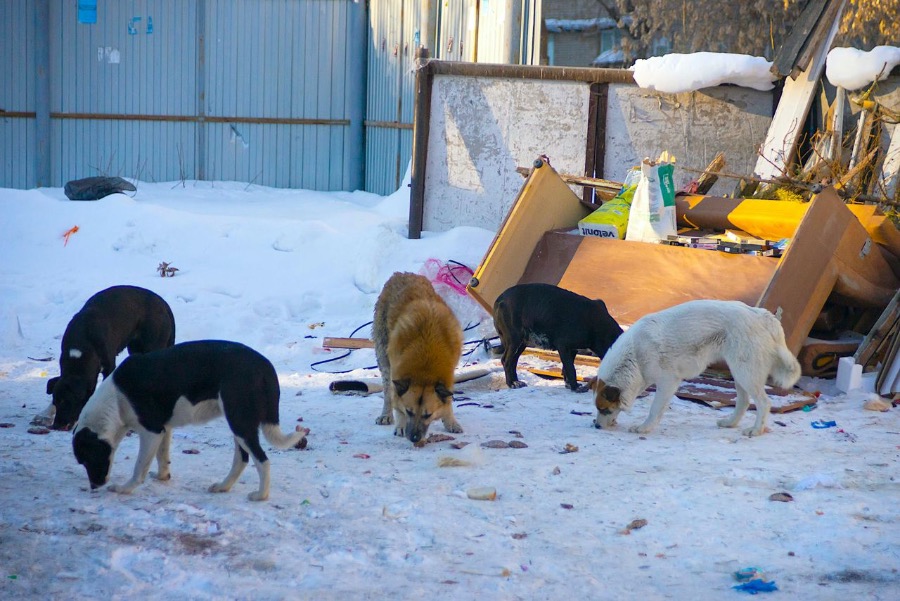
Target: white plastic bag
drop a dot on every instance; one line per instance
(652, 216)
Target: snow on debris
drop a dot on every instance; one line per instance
(852, 69)
(675, 73)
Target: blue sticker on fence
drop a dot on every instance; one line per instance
(87, 11)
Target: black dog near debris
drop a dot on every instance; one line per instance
(110, 321)
(550, 317)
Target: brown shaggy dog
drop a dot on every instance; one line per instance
(418, 342)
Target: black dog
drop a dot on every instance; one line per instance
(190, 383)
(550, 317)
(110, 321)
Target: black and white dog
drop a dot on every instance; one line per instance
(550, 317)
(110, 321)
(189, 383)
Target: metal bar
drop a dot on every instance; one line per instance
(199, 119)
(389, 124)
(355, 98)
(17, 114)
(200, 140)
(422, 121)
(583, 74)
(42, 167)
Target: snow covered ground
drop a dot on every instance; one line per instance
(361, 514)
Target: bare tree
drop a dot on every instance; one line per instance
(755, 27)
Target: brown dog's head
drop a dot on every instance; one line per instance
(421, 405)
(608, 400)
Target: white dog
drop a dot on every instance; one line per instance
(669, 346)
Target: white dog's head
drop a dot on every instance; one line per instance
(95, 454)
(608, 400)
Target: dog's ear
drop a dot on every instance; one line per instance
(443, 392)
(51, 384)
(612, 394)
(401, 386)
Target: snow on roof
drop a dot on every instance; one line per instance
(576, 25)
(675, 73)
(852, 69)
(613, 56)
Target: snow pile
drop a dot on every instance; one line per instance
(852, 69)
(674, 73)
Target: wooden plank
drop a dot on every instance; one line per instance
(710, 175)
(604, 186)
(835, 148)
(823, 24)
(347, 343)
(715, 392)
(544, 203)
(555, 374)
(793, 43)
(588, 360)
(873, 340)
(884, 382)
(889, 176)
(780, 146)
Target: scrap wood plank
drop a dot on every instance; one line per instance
(823, 25)
(784, 133)
(351, 343)
(876, 337)
(884, 382)
(554, 356)
(793, 43)
(890, 168)
(718, 392)
(554, 374)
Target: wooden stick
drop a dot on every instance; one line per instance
(351, 343)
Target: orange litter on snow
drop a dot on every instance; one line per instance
(71, 231)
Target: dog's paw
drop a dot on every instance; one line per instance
(726, 422)
(385, 420)
(122, 489)
(642, 429)
(42, 420)
(753, 431)
(398, 431)
(258, 496)
(582, 388)
(518, 384)
(453, 427)
(219, 487)
(162, 477)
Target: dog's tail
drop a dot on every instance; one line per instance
(279, 439)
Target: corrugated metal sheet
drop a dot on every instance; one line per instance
(17, 128)
(395, 33)
(457, 30)
(263, 91)
(279, 60)
(276, 92)
(123, 91)
(495, 31)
